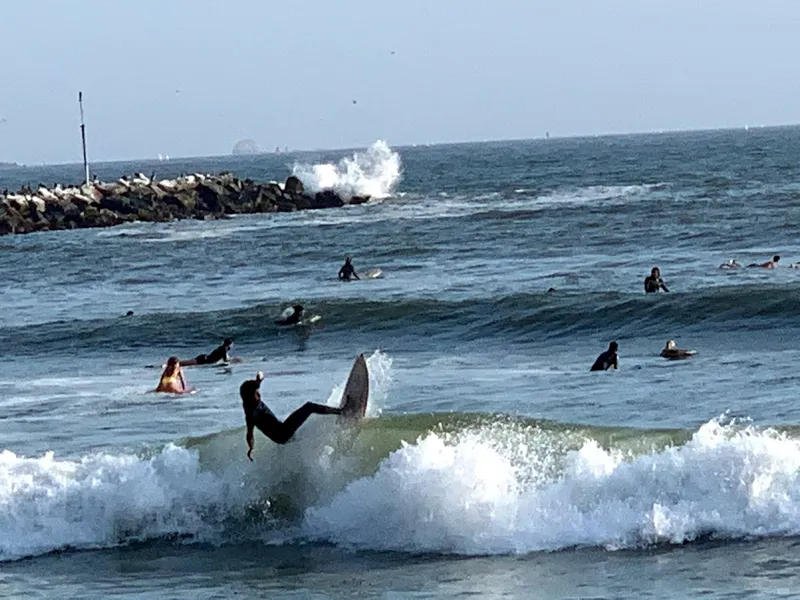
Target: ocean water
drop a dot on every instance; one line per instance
(492, 462)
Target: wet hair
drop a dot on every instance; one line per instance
(249, 389)
(776, 258)
(613, 346)
(654, 270)
(227, 342)
(298, 308)
(347, 259)
(173, 363)
(129, 313)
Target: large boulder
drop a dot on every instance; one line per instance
(327, 199)
(293, 185)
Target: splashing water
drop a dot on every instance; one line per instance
(373, 173)
(477, 494)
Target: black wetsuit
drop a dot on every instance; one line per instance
(216, 355)
(347, 272)
(653, 284)
(258, 415)
(292, 319)
(605, 361)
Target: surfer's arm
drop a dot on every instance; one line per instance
(356, 276)
(250, 441)
(664, 286)
(183, 381)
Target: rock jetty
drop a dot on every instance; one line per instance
(140, 198)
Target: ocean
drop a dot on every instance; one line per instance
(492, 463)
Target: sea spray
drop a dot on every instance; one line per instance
(379, 366)
(374, 172)
(467, 495)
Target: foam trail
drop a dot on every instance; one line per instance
(483, 493)
(373, 173)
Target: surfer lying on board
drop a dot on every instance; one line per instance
(291, 316)
(216, 355)
(347, 271)
(172, 381)
(257, 414)
(770, 264)
(607, 359)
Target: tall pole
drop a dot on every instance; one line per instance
(83, 137)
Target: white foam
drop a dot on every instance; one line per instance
(100, 500)
(482, 494)
(375, 172)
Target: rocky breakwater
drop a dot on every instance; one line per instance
(140, 198)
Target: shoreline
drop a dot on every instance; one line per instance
(140, 199)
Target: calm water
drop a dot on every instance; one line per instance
(493, 461)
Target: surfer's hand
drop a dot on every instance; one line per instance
(250, 454)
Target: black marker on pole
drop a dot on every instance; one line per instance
(83, 138)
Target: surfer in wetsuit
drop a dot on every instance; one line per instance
(607, 359)
(653, 282)
(257, 414)
(347, 271)
(770, 264)
(292, 318)
(220, 353)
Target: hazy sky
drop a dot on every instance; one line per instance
(191, 77)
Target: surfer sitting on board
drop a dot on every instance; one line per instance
(347, 271)
(257, 414)
(218, 354)
(653, 282)
(172, 381)
(291, 316)
(607, 359)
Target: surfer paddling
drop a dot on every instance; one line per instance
(672, 352)
(291, 316)
(218, 354)
(653, 282)
(770, 264)
(172, 381)
(258, 415)
(607, 359)
(347, 272)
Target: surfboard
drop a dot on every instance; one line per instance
(372, 273)
(356, 391)
(310, 320)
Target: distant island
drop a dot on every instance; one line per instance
(9, 165)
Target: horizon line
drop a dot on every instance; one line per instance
(410, 145)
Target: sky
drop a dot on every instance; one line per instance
(192, 77)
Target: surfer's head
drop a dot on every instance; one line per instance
(227, 342)
(347, 260)
(655, 272)
(298, 308)
(776, 258)
(613, 346)
(249, 389)
(173, 363)
(670, 345)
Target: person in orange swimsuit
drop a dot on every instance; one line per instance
(172, 381)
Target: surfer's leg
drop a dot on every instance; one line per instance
(298, 417)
